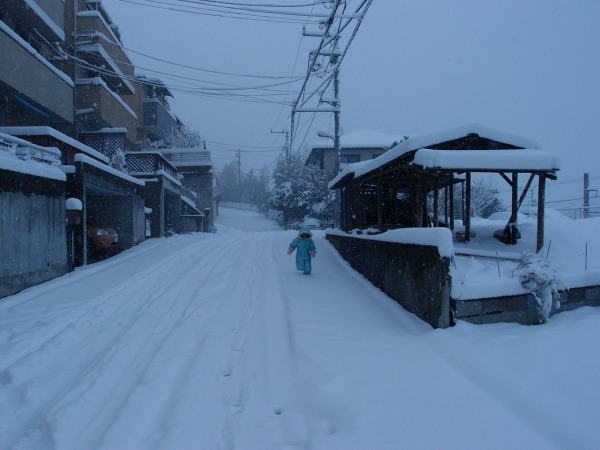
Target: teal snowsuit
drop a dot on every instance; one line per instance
(303, 246)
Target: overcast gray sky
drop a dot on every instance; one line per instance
(530, 67)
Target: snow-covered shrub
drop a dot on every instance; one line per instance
(118, 161)
(537, 275)
(297, 188)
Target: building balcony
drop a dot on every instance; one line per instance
(149, 164)
(188, 160)
(99, 107)
(52, 92)
(158, 122)
(101, 62)
(99, 46)
(47, 17)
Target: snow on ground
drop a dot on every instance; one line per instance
(209, 341)
(565, 246)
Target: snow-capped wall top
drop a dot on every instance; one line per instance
(435, 237)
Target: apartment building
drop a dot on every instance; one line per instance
(36, 79)
(66, 79)
(64, 66)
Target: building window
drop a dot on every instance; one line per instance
(349, 159)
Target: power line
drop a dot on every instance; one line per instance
(202, 69)
(192, 10)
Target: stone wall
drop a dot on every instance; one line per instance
(32, 231)
(414, 275)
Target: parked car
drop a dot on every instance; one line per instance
(103, 237)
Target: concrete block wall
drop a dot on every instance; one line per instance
(32, 231)
(414, 275)
(523, 308)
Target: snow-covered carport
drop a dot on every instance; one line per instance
(403, 187)
(162, 190)
(111, 199)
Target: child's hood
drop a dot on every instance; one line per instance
(304, 229)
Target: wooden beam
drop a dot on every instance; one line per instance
(524, 193)
(436, 202)
(446, 205)
(419, 203)
(451, 192)
(379, 206)
(541, 211)
(514, 199)
(505, 178)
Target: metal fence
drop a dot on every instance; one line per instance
(580, 213)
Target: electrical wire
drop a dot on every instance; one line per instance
(228, 87)
(198, 11)
(201, 69)
(253, 9)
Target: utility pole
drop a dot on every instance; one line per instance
(239, 161)
(586, 195)
(336, 117)
(288, 153)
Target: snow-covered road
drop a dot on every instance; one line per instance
(215, 341)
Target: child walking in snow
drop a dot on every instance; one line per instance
(306, 250)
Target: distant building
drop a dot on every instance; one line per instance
(357, 146)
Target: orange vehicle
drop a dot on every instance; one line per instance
(102, 237)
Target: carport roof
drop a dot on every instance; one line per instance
(520, 153)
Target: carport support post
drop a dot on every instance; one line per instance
(467, 217)
(541, 210)
(419, 201)
(379, 205)
(451, 193)
(436, 201)
(515, 198)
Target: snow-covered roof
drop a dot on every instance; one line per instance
(363, 139)
(49, 131)
(526, 159)
(427, 140)
(486, 159)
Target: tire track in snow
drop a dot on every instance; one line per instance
(33, 416)
(62, 316)
(180, 311)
